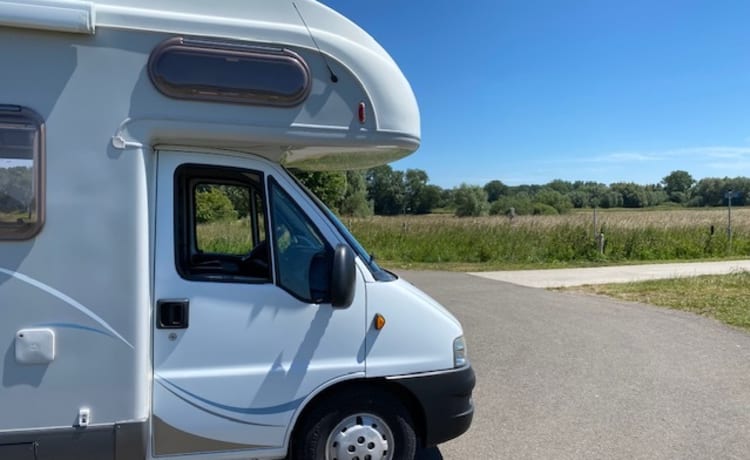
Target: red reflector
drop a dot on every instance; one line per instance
(362, 112)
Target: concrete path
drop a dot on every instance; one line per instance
(620, 274)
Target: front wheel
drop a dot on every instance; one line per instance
(367, 424)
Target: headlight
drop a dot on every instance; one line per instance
(459, 352)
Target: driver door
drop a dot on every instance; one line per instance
(244, 331)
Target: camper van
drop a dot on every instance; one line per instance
(167, 288)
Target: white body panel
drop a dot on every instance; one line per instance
(419, 332)
(233, 383)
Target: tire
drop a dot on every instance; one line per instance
(363, 424)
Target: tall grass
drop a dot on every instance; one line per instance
(225, 237)
(566, 239)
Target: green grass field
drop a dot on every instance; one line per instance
(632, 236)
(225, 237)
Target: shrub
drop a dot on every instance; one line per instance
(212, 205)
(470, 200)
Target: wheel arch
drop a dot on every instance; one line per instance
(410, 402)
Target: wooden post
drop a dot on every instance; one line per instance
(729, 218)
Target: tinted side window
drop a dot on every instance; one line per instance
(220, 224)
(303, 258)
(21, 173)
(229, 72)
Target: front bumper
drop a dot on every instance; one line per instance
(445, 397)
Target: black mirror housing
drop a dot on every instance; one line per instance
(343, 277)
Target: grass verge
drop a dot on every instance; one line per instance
(723, 297)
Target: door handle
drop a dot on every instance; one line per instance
(172, 314)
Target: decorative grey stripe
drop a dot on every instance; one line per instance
(277, 409)
(68, 300)
(169, 440)
(208, 411)
(80, 327)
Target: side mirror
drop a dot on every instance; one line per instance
(343, 277)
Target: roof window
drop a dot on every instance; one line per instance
(223, 71)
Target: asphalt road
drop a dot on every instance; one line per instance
(571, 376)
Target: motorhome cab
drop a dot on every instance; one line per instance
(166, 287)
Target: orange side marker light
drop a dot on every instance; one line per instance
(379, 321)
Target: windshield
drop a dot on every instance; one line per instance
(378, 273)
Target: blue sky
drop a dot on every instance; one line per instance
(527, 91)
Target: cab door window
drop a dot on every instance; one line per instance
(302, 256)
(220, 220)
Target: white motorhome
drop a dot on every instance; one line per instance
(131, 326)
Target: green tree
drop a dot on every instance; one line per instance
(355, 201)
(420, 197)
(471, 200)
(595, 193)
(579, 199)
(633, 195)
(553, 199)
(709, 192)
(678, 185)
(240, 198)
(446, 198)
(212, 205)
(415, 180)
(520, 202)
(741, 187)
(561, 186)
(495, 189)
(611, 199)
(428, 199)
(387, 190)
(329, 186)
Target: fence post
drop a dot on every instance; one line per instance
(600, 242)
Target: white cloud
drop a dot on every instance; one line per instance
(691, 153)
(625, 157)
(711, 152)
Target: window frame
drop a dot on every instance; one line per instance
(186, 177)
(14, 114)
(231, 50)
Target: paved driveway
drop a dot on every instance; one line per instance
(570, 376)
(619, 274)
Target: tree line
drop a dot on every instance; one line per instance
(385, 191)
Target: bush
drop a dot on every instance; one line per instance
(213, 205)
(470, 200)
(541, 209)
